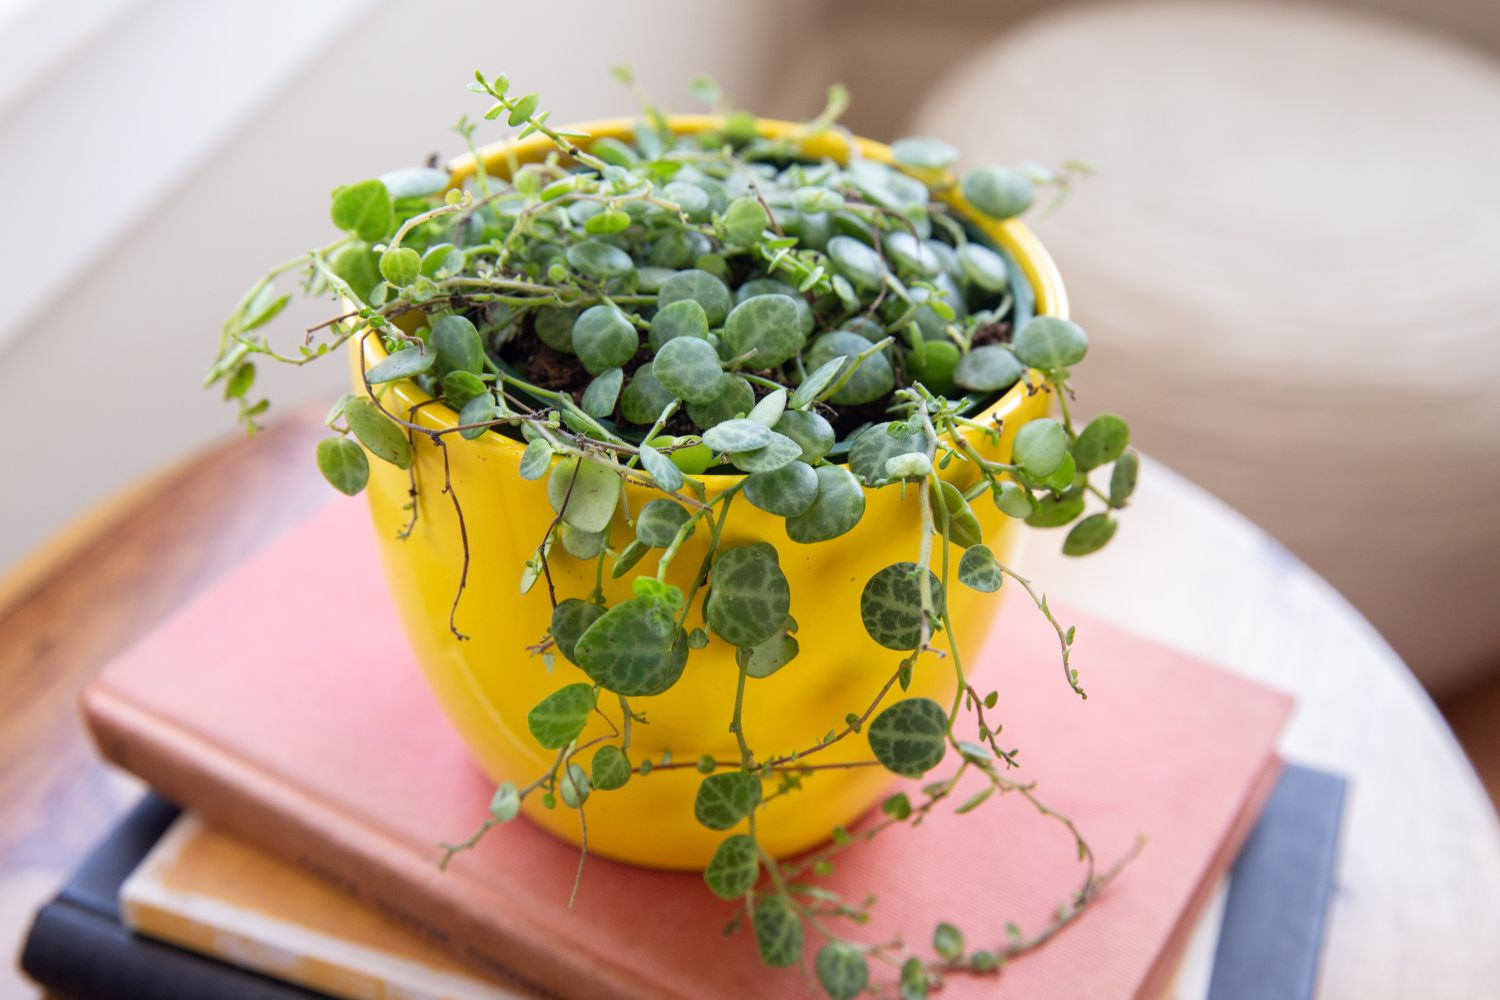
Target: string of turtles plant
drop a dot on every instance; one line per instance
(648, 311)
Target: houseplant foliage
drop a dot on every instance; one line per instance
(649, 312)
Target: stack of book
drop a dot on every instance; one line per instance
(319, 777)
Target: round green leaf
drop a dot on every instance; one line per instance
(978, 570)
(690, 198)
(839, 505)
(689, 453)
(603, 338)
(607, 222)
(573, 786)
(937, 366)
(634, 649)
(1040, 447)
(873, 379)
(1053, 512)
(1063, 476)
(776, 453)
(582, 544)
(554, 327)
(679, 319)
(659, 522)
(770, 286)
(610, 768)
(1089, 535)
(808, 429)
(925, 153)
(690, 369)
(874, 446)
(460, 387)
(700, 286)
(1050, 342)
(736, 400)
(1101, 442)
(948, 941)
(983, 267)
(766, 324)
(913, 983)
(891, 605)
(961, 526)
(415, 182)
(644, 397)
(744, 220)
(1122, 478)
(585, 493)
(558, 718)
(999, 192)
(598, 259)
(778, 932)
(734, 868)
(570, 619)
(857, 261)
(344, 465)
(356, 265)
(661, 468)
(458, 345)
(910, 737)
(505, 804)
(364, 209)
(988, 369)
(400, 266)
(1013, 499)
(476, 412)
(912, 256)
(377, 432)
(740, 434)
(842, 970)
(748, 598)
(536, 459)
(404, 363)
(723, 800)
(768, 657)
(601, 394)
(785, 492)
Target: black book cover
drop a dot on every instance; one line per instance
(79, 949)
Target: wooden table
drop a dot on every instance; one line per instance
(1417, 912)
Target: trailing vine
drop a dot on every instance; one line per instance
(648, 312)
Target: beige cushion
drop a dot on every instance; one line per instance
(1290, 268)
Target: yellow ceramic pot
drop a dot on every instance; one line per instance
(489, 682)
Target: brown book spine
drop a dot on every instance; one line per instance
(318, 837)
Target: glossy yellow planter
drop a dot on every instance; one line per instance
(488, 683)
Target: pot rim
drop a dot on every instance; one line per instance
(1034, 260)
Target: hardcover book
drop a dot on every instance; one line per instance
(283, 706)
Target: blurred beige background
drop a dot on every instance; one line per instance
(1290, 264)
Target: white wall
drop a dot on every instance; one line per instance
(99, 382)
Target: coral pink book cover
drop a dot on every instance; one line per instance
(283, 705)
